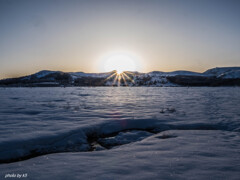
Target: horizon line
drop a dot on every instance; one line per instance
(17, 76)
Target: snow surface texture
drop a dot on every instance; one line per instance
(120, 133)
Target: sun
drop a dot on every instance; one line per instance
(120, 68)
(119, 62)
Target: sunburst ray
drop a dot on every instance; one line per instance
(124, 80)
(114, 74)
(125, 74)
(118, 77)
(115, 79)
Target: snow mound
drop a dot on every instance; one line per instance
(95, 137)
(192, 155)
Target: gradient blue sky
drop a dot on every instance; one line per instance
(74, 35)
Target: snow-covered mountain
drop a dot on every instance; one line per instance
(76, 75)
(228, 72)
(212, 77)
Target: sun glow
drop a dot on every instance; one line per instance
(120, 63)
(121, 68)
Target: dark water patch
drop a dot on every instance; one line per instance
(166, 136)
(22, 112)
(14, 98)
(75, 108)
(49, 105)
(84, 95)
(199, 126)
(58, 100)
(87, 107)
(20, 108)
(167, 110)
(31, 112)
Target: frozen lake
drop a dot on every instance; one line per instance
(120, 132)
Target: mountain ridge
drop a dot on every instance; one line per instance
(219, 76)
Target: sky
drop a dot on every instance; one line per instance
(78, 35)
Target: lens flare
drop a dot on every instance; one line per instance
(120, 78)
